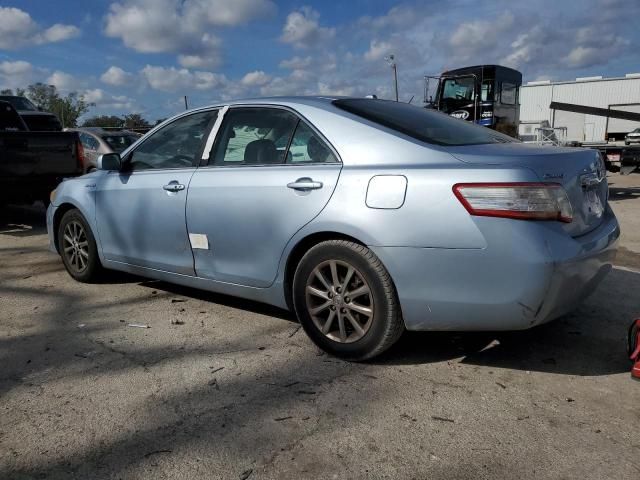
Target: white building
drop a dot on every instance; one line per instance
(612, 93)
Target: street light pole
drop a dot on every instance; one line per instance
(391, 61)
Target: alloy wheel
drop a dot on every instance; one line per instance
(76, 246)
(339, 301)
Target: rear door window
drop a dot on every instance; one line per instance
(254, 136)
(308, 147)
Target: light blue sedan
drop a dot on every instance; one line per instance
(366, 217)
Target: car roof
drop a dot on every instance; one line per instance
(316, 101)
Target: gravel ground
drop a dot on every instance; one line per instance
(219, 387)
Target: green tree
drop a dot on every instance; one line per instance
(68, 108)
(20, 92)
(104, 121)
(135, 120)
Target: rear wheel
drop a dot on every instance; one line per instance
(78, 248)
(345, 300)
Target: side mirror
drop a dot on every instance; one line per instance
(109, 161)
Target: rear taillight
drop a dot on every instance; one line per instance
(525, 201)
(80, 154)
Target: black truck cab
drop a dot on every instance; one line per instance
(488, 95)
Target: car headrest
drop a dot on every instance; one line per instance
(260, 152)
(318, 153)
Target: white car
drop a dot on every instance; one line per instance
(632, 137)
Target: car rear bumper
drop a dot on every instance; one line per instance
(530, 273)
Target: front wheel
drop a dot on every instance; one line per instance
(77, 247)
(345, 300)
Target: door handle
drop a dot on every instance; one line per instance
(173, 187)
(304, 184)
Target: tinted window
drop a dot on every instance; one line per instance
(42, 123)
(175, 145)
(119, 143)
(462, 88)
(429, 126)
(508, 93)
(307, 147)
(20, 103)
(9, 118)
(254, 136)
(487, 91)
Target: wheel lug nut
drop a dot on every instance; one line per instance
(330, 295)
(347, 299)
(338, 289)
(343, 310)
(333, 307)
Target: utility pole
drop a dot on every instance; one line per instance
(186, 105)
(391, 60)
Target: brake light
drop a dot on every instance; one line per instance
(80, 155)
(524, 201)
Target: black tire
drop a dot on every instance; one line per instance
(88, 269)
(385, 326)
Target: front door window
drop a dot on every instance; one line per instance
(174, 146)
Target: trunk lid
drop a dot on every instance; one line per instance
(580, 171)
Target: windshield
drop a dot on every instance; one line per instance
(420, 123)
(119, 143)
(19, 103)
(458, 89)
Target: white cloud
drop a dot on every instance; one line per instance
(256, 78)
(18, 74)
(400, 16)
(116, 76)
(63, 81)
(303, 30)
(471, 39)
(180, 27)
(296, 63)
(105, 100)
(173, 79)
(59, 33)
(378, 50)
(18, 29)
(227, 13)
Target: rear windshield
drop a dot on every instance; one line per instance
(119, 143)
(423, 124)
(42, 123)
(19, 103)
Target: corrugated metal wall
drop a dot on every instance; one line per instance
(535, 100)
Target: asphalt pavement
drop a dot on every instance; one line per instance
(219, 387)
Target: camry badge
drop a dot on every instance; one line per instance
(549, 176)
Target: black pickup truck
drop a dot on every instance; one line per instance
(32, 163)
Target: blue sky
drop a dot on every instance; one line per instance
(144, 55)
